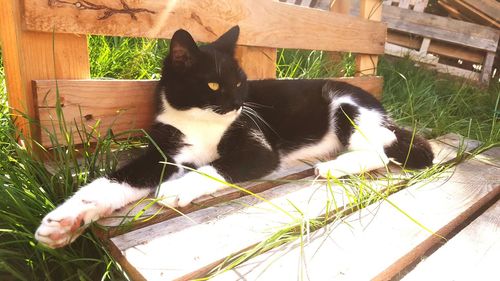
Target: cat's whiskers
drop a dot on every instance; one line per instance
(247, 114)
(217, 65)
(251, 113)
(256, 105)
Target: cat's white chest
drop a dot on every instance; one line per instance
(202, 129)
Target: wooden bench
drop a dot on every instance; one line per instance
(275, 235)
(46, 40)
(425, 37)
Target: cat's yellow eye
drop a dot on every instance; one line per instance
(239, 84)
(213, 86)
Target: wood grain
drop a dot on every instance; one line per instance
(372, 10)
(120, 105)
(456, 71)
(441, 28)
(257, 62)
(487, 67)
(33, 55)
(211, 235)
(380, 239)
(490, 9)
(398, 51)
(263, 23)
(478, 11)
(472, 254)
(436, 47)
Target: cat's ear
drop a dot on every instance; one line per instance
(227, 41)
(183, 50)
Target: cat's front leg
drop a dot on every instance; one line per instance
(101, 197)
(243, 158)
(182, 191)
(90, 203)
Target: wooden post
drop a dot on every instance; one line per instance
(341, 7)
(257, 62)
(372, 10)
(34, 55)
(487, 67)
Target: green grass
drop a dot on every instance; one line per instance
(29, 190)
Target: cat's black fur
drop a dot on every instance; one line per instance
(293, 114)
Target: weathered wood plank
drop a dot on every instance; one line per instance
(257, 62)
(437, 47)
(456, 71)
(121, 105)
(34, 55)
(488, 10)
(209, 236)
(227, 228)
(397, 51)
(477, 11)
(380, 239)
(372, 10)
(487, 67)
(441, 28)
(123, 220)
(286, 26)
(472, 254)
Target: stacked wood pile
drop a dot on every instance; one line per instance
(484, 12)
(450, 46)
(445, 44)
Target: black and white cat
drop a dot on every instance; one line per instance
(210, 118)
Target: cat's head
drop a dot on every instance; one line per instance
(206, 77)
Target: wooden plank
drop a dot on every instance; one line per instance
(123, 220)
(340, 6)
(228, 228)
(380, 239)
(372, 10)
(121, 105)
(404, 4)
(257, 62)
(472, 254)
(487, 67)
(33, 55)
(452, 11)
(489, 8)
(286, 26)
(456, 71)
(474, 14)
(397, 51)
(441, 28)
(436, 47)
(425, 45)
(420, 5)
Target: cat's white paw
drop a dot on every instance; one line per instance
(193, 185)
(328, 170)
(180, 193)
(64, 224)
(90, 203)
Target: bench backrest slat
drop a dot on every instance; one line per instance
(264, 23)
